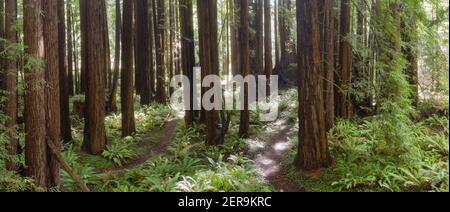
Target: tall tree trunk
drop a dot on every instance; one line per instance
(188, 54)
(112, 101)
(160, 57)
(267, 43)
(34, 114)
(53, 16)
(84, 47)
(207, 13)
(143, 53)
(328, 32)
(66, 131)
(245, 67)
(128, 123)
(276, 29)
(96, 67)
(171, 41)
(2, 35)
(11, 76)
(343, 103)
(69, 49)
(313, 146)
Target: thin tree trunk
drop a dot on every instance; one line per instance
(69, 49)
(245, 67)
(160, 50)
(188, 54)
(343, 104)
(267, 43)
(112, 102)
(128, 123)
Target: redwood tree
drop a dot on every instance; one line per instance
(267, 42)
(34, 114)
(66, 131)
(160, 50)
(313, 150)
(245, 66)
(143, 52)
(52, 91)
(11, 82)
(188, 52)
(344, 78)
(96, 66)
(126, 92)
(209, 60)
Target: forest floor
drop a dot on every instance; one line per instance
(270, 159)
(150, 148)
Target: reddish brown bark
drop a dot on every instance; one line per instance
(313, 146)
(245, 67)
(96, 67)
(126, 92)
(11, 83)
(34, 114)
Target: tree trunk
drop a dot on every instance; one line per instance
(112, 102)
(313, 146)
(52, 13)
(344, 78)
(128, 123)
(84, 47)
(328, 32)
(188, 53)
(69, 49)
(96, 67)
(245, 67)
(34, 114)
(11, 82)
(66, 131)
(160, 57)
(209, 60)
(2, 35)
(267, 43)
(143, 53)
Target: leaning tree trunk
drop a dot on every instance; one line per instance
(128, 122)
(313, 147)
(10, 82)
(96, 67)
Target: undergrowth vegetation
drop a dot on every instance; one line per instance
(366, 160)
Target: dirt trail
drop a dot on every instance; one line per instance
(167, 136)
(270, 160)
